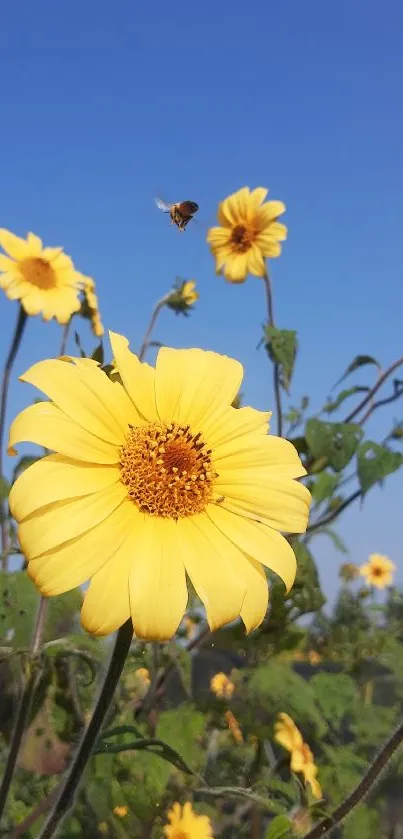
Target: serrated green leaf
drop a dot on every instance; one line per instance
(324, 486)
(333, 404)
(375, 462)
(281, 345)
(279, 828)
(337, 441)
(358, 361)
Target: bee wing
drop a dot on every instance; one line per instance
(162, 205)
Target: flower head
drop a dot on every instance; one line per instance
(155, 477)
(42, 279)
(248, 234)
(222, 686)
(378, 571)
(185, 824)
(90, 308)
(121, 811)
(183, 296)
(290, 737)
(144, 675)
(349, 571)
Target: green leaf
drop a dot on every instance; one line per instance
(281, 345)
(327, 531)
(375, 462)
(324, 486)
(4, 489)
(281, 826)
(337, 441)
(336, 695)
(98, 354)
(358, 361)
(79, 346)
(181, 728)
(306, 594)
(19, 602)
(333, 404)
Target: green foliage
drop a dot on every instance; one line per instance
(274, 688)
(333, 404)
(281, 344)
(363, 823)
(375, 462)
(181, 729)
(324, 486)
(279, 828)
(357, 362)
(335, 441)
(336, 695)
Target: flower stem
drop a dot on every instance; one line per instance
(24, 707)
(65, 335)
(150, 327)
(327, 824)
(276, 370)
(69, 787)
(18, 333)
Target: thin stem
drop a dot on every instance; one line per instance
(65, 336)
(334, 513)
(367, 398)
(24, 707)
(146, 340)
(361, 789)
(276, 369)
(69, 787)
(18, 333)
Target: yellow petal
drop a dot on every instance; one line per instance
(55, 478)
(212, 575)
(257, 196)
(258, 541)
(112, 393)
(191, 384)
(246, 571)
(256, 263)
(106, 603)
(283, 504)
(228, 424)
(78, 396)
(275, 453)
(13, 245)
(32, 301)
(236, 267)
(6, 264)
(46, 425)
(35, 244)
(62, 521)
(270, 211)
(218, 237)
(76, 561)
(158, 590)
(137, 378)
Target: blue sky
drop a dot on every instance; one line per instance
(106, 104)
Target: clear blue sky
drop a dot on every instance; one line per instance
(104, 104)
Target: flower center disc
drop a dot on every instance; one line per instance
(242, 238)
(38, 272)
(167, 470)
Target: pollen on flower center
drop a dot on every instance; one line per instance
(38, 272)
(167, 470)
(242, 238)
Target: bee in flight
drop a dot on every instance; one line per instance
(180, 213)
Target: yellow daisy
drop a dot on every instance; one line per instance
(155, 477)
(43, 279)
(185, 824)
(378, 571)
(290, 737)
(249, 233)
(222, 686)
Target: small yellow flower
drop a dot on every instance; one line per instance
(121, 811)
(349, 571)
(314, 658)
(183, 296)
(249, 233)
(155, 477)
(185, 824)
(188, 292)
(90, 308)
(144, 676)
(378, 571)
(234, 727)
(290, 737)
(222, 686)
(103, 827)
(44, 280)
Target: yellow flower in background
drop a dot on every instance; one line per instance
(121, 812)
(314, 658)
(182, 297)
(378, 571)
(144, 676)
(103, 827)
(185, 824)
(189, 294)
(90, 307)
(222, 686)
(42, 279)
(249, 233)
(234, 727)
(289, 736)
(155, 477)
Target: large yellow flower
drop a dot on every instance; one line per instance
(249, 232)
(43, 279)
(378, 571)
(185, 824)
(290, 737)
(155, 476)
